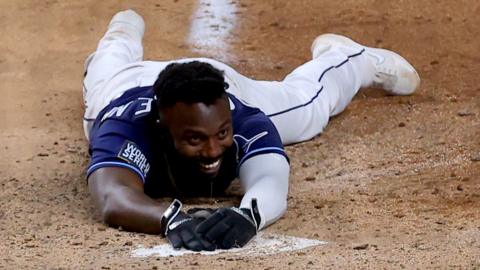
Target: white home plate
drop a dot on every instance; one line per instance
(263, 244)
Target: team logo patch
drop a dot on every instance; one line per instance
(245, 143)
(132, 154)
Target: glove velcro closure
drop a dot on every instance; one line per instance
(175, 224)
(252, 213)
(169, 215)
(247, 214)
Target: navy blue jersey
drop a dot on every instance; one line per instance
(126, 134)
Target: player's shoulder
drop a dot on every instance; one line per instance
(244, 114)
(249, 121)
(133, 105)
(240, 108)
(254, 132)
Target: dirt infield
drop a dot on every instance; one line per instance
(393, 182)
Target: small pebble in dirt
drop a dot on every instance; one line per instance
(341, 172)
(360, 247)
(401, 124)
(310, 178)
(274, 24)
(475, 158)
(464, 113)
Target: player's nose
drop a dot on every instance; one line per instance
(212, 149)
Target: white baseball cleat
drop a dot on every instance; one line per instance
(126, 22)
(392, 72)
(128, 18)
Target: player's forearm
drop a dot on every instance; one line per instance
(118, 194)
(265, 178)
(133, 211)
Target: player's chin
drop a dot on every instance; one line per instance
(211, 168)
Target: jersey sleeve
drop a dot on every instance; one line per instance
(117, 143)
(257, 135)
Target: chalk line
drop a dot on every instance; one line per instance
(263, 244)
(210, 28)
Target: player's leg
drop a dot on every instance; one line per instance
(121, 45)
(301, 105)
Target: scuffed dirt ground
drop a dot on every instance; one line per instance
(393, 182)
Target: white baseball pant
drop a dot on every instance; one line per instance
(299, 106)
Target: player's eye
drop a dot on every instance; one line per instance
(194, 140)
(223, 133)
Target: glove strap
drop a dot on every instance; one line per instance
(169, 215)
(252, 214)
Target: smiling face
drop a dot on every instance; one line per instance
(201, 133)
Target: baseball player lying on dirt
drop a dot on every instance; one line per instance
(189, 127)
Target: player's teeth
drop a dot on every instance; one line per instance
(211, 165)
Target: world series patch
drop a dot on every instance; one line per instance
(133, 155)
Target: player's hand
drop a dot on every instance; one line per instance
(181, 233)
(228, 227)
(202, 213)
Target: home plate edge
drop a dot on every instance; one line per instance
(263, 244)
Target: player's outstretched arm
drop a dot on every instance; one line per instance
(118, 194)
(265, 180)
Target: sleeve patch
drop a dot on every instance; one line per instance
(133, 155)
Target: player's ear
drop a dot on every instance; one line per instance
(161, 120)
(162, 129)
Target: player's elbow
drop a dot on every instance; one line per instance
(110, 211)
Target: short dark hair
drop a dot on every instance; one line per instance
(191, 82)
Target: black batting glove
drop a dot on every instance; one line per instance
(181, 233)
(229, 227)
(201, 213)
